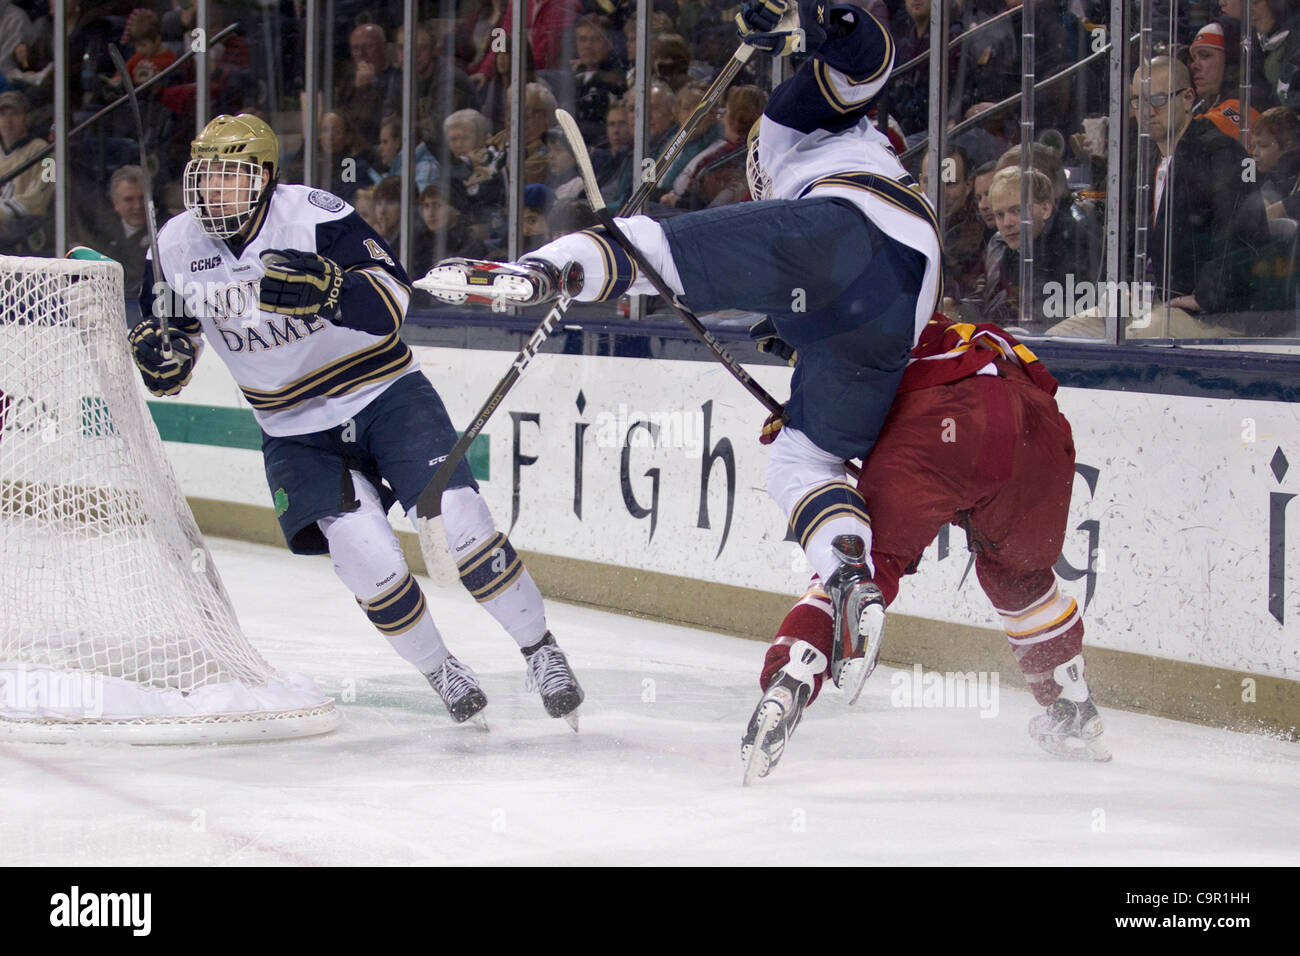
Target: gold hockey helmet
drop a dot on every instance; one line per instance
(223, 180)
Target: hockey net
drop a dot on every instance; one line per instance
(114, 623)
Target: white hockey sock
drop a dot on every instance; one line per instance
(490, 569)
(810, 486)
(608, 272)
(368, 559)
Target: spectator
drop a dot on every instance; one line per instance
(1215, 54)
(550, 25)
(660, 23)
(563, 176)
(538, 200)
(444, 228)
(618, 136)
(716, 176)
(386, 199)
(539, 116)
(663, 105)
(907, 97)
(24, 200)
(707, 133)
(983, 179)
(1216, 220)
(343, 164)
(598, 74)
(441, 87)
(127, 239)
(1274, 146)
(1274, 48)
(144, 29)
(670, 59)
(15, 30)
(963, 234)
(424, 168)
(366, 82)
(465, 133)
(1054, 253)
(493, 89)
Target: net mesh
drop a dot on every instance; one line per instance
(104, 574)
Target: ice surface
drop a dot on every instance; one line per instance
(654, 776)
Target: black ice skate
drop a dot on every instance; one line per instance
(484, 282)
(459, 690)
(549, 673)
(779, 711)
(1071, 727)
(859, 609)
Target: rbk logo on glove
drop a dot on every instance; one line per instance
(301, 284)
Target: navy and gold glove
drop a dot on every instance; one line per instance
(301, 284)
(756, 23)
(162, 376)
(765, 336)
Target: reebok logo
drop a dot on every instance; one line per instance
(74, 909)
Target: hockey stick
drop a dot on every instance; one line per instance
(164, 324)
(428, 507)
(579, 149)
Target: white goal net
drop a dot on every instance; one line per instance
(113, 620)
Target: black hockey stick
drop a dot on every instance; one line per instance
(102, 111)
(164, 324)
(579, 149)
(428, 507)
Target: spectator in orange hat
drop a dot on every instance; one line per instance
(1214, 67)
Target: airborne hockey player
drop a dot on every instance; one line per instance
(839, 250)
(974, 438)
(304, 303)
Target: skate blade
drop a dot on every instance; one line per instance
(1073, 748)
(854, 673)
(455, 285)
(757, 762)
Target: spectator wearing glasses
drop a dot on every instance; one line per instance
(1207, 222)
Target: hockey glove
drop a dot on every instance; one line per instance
(781, 27)
(301, 284)
(162, 377)
(765, 336)
(771, 428)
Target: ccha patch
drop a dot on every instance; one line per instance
(327, 201)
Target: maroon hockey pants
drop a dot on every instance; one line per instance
(992, 454)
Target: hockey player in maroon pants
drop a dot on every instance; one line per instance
(974, 438)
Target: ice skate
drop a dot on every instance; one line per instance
(859, 617)
(1071, 726)
(484, 282)
(549, 673)
(459, 690)
(779, 711)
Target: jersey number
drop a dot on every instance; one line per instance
(377, 252)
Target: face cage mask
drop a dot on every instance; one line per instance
(241, 187)
(760, 183)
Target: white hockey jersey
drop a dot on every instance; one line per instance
(815, 137)
(300, 375)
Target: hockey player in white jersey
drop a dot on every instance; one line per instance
(304, 303)
(840, 250)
